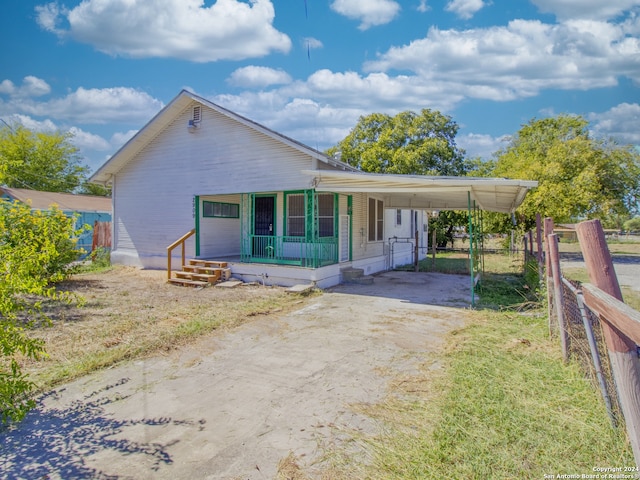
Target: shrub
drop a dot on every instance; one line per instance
(36, 249)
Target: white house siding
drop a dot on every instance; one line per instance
(370, 256)
(401, 236)
(221, 159)
(219, 237)
(154, 204)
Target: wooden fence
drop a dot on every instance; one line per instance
(595, 325)
(101, 235)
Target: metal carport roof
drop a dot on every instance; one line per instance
(427, 192)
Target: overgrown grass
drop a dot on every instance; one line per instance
(505, 406)
(502, 405)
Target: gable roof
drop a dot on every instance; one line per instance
(64, 201)
(174, 108)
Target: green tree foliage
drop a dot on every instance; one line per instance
(407, 143)
(39, 161)
(579, 177)
(35, 250)
(94, 189)
(632, 225)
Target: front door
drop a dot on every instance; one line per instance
(264, 225)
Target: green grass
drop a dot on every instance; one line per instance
(508, 408)
(503, 405)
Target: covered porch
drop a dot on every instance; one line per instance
(310, 234)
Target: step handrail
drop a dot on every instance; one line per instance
(170, 248)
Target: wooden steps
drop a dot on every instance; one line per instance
(201, 273)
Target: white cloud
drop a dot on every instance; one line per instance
(520, 59)
(423, 7)
(49, 16)
(184, 29)
(31, 124)
(118, 139)
(317, 124)
(254, 76)
(464, 9)
(480, 145)
(97, 106)
(621, 122)
(369, 12)
(31, 87)
(377, 91)
(310, 42)
(88, 141)
(586, 9)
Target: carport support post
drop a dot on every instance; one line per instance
(471, 266)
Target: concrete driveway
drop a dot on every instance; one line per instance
(234, 404)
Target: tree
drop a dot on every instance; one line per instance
(94, 189)
(579, 177)
(39, 161)
(632, 225)
(408, 143)
(35, 250)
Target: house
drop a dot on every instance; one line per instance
(87, 209)
(275, 210)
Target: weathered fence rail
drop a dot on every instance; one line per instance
(596, 326)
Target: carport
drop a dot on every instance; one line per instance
(433, 193)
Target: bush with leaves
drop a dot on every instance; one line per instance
(36, 248)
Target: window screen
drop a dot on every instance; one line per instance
(295, 215)
(220, 210)
(376, 220)
(326, 215)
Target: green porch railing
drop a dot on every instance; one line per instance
(284, 250)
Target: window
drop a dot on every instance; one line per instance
(220, 210)
(326, 215)
(295, 215)
(376, 220)
(398, 216)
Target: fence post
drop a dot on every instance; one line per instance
(539, 237)
(539, 251)
(623, 353)
(554, 259)
(548, 230)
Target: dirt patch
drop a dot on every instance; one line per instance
(129, 313)
(236, 403)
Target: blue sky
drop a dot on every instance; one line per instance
(309, 69)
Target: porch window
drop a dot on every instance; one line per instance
(220, 210)
(398, 216)
(376, 220)
(326, 215)
(295, 215)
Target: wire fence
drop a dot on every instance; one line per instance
(586, 344)
(595, 327)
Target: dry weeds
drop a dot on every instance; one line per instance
(129, 313)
